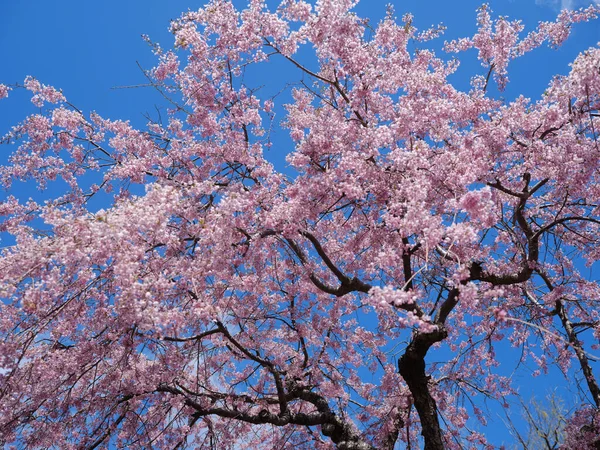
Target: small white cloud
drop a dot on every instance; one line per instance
(566, 4)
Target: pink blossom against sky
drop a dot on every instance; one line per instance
(89, 52)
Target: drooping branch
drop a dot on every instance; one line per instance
(334, 83)
(575, 343)
(115, 424)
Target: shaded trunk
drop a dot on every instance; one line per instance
(412, 368)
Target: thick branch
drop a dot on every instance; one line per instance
(347, 284)
(448, 305)
(321, 252)
(531, 258)
(191, 338)
(338, 430)
(262, 417)
(389, 442)
(283, 406)
(315, 280)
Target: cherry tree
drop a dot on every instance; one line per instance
(355, 301)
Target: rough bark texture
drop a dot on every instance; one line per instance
(412, 368)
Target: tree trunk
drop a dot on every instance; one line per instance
(412, 368)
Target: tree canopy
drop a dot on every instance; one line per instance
(356, 300)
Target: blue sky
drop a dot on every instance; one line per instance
(89, 48)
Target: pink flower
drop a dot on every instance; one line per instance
(4, 91)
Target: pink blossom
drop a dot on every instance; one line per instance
(173, 286)
(4, 91)
(42, 93)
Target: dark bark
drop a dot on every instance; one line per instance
(412, 368)
(389, 442)
(338, 430)
(341, 432)
(347, 284)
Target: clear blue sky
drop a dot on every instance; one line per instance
(86, 48)
(89, 48)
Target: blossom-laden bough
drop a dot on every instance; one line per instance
(234, 306)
